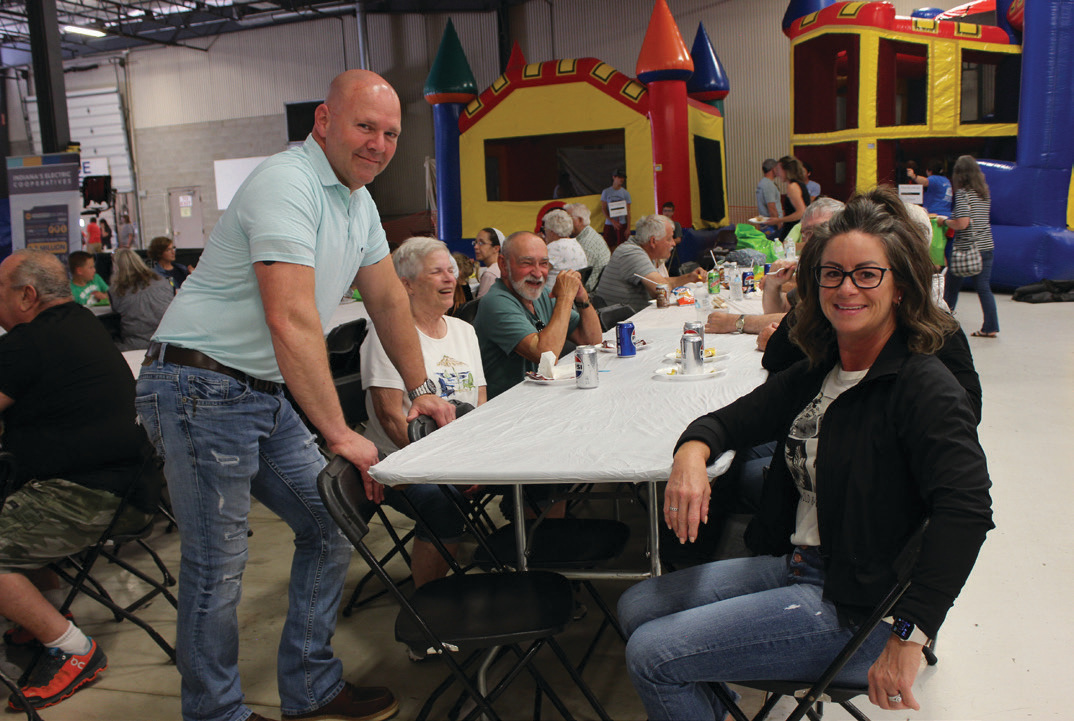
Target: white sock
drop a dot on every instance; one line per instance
(72, 641)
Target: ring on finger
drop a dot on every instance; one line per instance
(897, 698)
(673, 509)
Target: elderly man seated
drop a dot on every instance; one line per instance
(67, 398)
(519, 319)
(452, 360)
(774, 300)
(593, 244)
(564, 252)
(653, 242)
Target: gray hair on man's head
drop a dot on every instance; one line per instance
(823, 206)
(409, 258)
(652, 226)
(43, 272)
(558, 222)
(507, 248)
(578, 210)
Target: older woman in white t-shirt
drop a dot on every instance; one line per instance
(452, 360)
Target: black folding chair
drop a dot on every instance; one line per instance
(468, 311)
(7, 481)
(478, 614)
(77, 569)
(611, 314)
(813, 694)
(344, 344)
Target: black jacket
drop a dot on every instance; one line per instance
(900, 444)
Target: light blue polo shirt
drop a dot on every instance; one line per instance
(291, 209)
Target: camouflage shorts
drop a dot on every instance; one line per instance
(45, 521)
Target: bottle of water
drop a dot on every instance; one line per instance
(702, 304)
(736, 286)
(788, 250)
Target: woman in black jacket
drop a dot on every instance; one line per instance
(874, 433)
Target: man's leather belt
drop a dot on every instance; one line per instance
(195, 359)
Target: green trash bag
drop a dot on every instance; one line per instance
(750, 237)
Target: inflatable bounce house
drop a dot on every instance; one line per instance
(993, 79)
(556, 130)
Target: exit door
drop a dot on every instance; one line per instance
(184, 208)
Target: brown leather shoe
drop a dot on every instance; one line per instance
(354, 703)
(257, 717)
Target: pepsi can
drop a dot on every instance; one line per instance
(586, 372)
(624, 339)
(696, 327)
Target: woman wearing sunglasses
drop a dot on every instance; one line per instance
(873, 434)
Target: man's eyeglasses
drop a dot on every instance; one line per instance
(828, 276)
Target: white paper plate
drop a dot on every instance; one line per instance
(541, 380)
(608, 346)
(674, 374)
(711, 355)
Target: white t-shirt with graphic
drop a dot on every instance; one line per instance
(452, 362)
(801, 452)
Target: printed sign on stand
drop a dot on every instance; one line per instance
(45, 202)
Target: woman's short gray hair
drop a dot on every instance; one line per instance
(559, 223)
(578, 210)
(409, 258)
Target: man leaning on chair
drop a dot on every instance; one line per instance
(61, 379)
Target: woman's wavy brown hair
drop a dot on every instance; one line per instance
(881, 214)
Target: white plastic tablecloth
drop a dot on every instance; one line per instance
(622, 431)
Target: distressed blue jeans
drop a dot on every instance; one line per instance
(761, 618)
(222, 443)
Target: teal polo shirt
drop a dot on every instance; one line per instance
(501, 324)
(292, 209)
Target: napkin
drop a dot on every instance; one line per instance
(548, 369)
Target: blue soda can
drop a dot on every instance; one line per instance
(624, 339)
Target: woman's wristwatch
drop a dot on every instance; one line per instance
(428, 387)
(907, 631)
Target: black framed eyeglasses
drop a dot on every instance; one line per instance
(866, 277)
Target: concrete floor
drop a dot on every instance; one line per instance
(1000, 656)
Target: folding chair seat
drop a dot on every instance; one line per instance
(476, 614)
(813, 694)
(563, 544)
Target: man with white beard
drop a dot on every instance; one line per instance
(518, 319)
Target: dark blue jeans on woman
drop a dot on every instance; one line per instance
(982, 283)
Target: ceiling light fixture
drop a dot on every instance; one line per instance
(93, 33)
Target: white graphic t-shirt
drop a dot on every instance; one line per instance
(801, 452)
(452, 362)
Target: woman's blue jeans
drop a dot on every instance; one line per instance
(761, 618)
(223, 443)
(982, 283)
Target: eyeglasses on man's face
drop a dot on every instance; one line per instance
(866, 277)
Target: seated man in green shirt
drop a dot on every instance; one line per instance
(518, 319)
(87, 287)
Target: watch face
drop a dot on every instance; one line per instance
(902, 628)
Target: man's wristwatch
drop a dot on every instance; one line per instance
(581, 304)
(740, 324)
(907, 631)
(428, 387)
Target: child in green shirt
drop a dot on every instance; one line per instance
(87, 287)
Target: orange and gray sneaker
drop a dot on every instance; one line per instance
(59, 674)
(19, 637)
